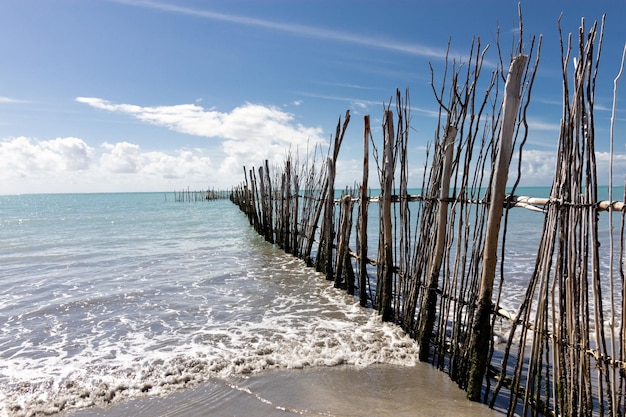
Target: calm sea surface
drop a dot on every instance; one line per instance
(111, 297)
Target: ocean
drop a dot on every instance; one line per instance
(124, 298)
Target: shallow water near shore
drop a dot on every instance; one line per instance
(107, 298)
(342, 391)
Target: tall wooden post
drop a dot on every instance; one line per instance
(363, 204)
(270, 198)
(481, 332)
(329, 215)
(429, 307)
(343, 240)
(385, 266)
(287, 208)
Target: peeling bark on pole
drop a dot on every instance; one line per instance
(430, 306)
(481, 332)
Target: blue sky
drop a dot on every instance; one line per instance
(160, 95)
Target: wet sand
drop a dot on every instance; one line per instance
(378, 390)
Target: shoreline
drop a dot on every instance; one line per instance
(377, 390)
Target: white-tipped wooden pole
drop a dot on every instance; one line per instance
(481, 332)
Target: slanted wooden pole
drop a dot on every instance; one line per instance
(481, 332)
(429, 308)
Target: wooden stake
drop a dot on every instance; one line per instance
(481, 332)
(430, 306)
(385, 250)
(363, 203)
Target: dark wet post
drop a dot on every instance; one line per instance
(270, 220)
(481, 333)
(363, 203)
(385, 266)
(343, 241)
(329, 215)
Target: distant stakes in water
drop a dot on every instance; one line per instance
(203, 195)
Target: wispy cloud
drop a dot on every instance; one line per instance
(295, 29)
(348, 86)
(9, 100)
(535, 124)
(363, 104)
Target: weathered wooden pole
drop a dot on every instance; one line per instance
(270, 208)
(480, 341)
(287, 208)
(325, 254)
(329, 216)
(246, 197)
(429, 307)
(295, 217)
(363, 204)
(255, 200)
(343, 241)
(385, 266)
(264, 220)
(313, 222)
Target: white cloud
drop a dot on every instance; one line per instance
(264, 124)
(250, 134)
(23, 155)
(70, 165)
(619, 168)
(123, 157)
(538, 168)
(10, 100)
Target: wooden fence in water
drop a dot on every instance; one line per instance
(202, 195)
(438, 270)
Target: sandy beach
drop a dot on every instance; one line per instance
(379, 390)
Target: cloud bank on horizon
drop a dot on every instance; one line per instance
(248, 134)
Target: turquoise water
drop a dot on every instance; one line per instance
(110, 297)
(107, 297)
